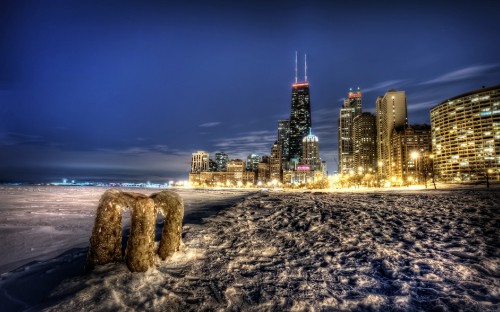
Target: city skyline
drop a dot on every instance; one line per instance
(129, 91)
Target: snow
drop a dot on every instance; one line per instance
(401, 250)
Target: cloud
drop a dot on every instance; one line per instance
(210, 124)
(462, 74)
(12, 138)
(384, 85)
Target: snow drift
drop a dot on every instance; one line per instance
(400, 251)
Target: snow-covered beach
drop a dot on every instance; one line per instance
(399, 250)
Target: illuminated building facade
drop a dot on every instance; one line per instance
(391, 113)
(212, 165)
(300, 119)
(350, 110)
(466, 136)
(221, 159)
(283, 137)
(275, 160)
(410, 151)
(310, 152)
(252, 162)
(263, 172)
(364, 143)
(236, 165)
(236, 175)
(222, 179)
(199, 162)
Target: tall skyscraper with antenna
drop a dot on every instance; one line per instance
(300, 115)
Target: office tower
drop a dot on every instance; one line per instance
(221, 159)
(300, 116)
(351, 109)
(275, 160)
(310, 151)
(364, 143)
(300, 119)
(391, 113)
(466, 136)
(199, 162)
(409, 148)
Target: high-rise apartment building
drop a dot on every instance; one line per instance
(364, 143)
(310, 152)
(466, 136)
(391, 113)
(199, 162)
(351, 109)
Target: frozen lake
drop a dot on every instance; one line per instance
(398, 250)
(40, 222)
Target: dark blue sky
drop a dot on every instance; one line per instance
(127, 90)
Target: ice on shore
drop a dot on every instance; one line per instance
(401, 251)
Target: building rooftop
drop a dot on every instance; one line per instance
(483, 89)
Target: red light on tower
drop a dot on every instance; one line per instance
(300, 84)
(354, 95)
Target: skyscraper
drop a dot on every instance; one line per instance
(283, 137)
(275, 161)
(391, 113)
(351, 109)
(365, 146)
(300, 116)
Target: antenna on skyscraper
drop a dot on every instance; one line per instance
(295, 66)
(305, 67)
